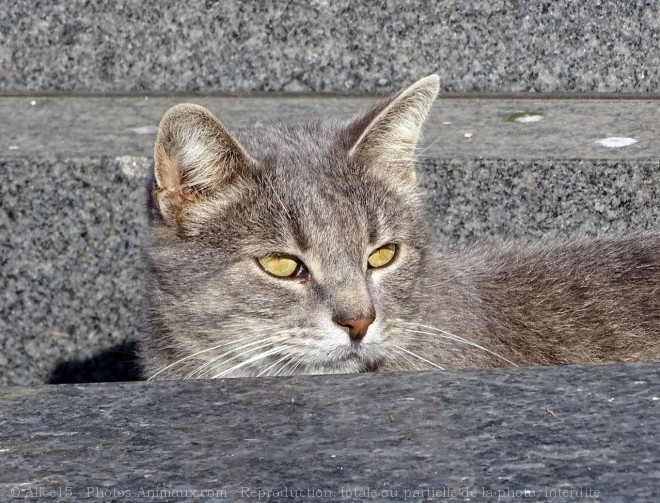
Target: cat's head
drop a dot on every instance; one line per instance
(286, 248)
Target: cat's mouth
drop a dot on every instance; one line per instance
(356, 348)
(356, 356)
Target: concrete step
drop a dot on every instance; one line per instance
(126, 126)
(73, 174)
(548, 434)
(332, 47)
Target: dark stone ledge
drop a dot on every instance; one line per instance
(592, 430)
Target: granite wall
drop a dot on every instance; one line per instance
(476, 46)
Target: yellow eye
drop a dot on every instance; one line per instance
(280, 266)
(382, 256)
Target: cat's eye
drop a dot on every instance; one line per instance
(282, 266)
(382, 256)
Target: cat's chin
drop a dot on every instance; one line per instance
(351, 359)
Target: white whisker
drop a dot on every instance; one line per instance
(233, 350)
(450, 336)
(277, 196)
(396, 361)
(446, 281)
(427, 147)
(265, 371)
(414, 365)
(237, 355)
(298, 361)
(191, 356)
(281, 369)
(260, 356)
(417, 356)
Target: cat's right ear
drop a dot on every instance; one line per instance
(195, 159)
(386, 137)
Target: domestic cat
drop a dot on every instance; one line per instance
(304, 249)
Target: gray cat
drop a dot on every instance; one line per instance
(303, 249)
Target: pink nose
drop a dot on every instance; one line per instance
(357, 328)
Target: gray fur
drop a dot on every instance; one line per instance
(324, 193)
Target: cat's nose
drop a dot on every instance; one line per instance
(357, 328)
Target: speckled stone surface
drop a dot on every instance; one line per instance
(544, 434)
(321, 46)
(72, 193)
(71, 263)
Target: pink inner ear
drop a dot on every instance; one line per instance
(169, 172)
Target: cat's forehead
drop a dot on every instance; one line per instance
(308, 166)
(304, 148)
(313, 201)
(329, 212)
(309, 191)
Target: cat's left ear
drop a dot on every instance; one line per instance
(389, 134)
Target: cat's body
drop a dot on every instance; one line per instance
(568, 301)
(304, 249)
